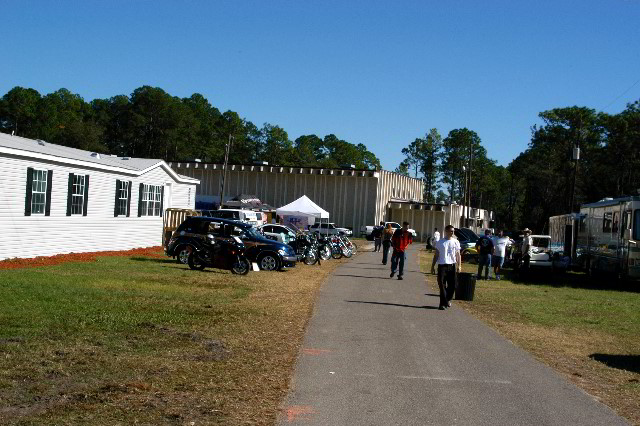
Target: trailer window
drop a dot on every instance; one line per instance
(626, 221)
(616, 221)
(606, 222)
(636, 224)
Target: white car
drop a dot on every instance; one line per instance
(280, 233)
(542, 256)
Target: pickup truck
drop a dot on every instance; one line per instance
(329, 229)
(365, 231)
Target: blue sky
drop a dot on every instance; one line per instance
(378, 73)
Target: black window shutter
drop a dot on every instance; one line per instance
(69, 194)
(161, 201)
(47, 203)
(86, 195)
(27, 197)
(115, 206)
(129, 199)
(140, 199)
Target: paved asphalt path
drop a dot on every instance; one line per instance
(377, 351)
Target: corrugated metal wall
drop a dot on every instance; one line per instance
(353, 198)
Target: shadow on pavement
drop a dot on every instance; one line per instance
(360, 276)
(392, 304)
(621, 362)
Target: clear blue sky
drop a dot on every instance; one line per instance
(378, 73)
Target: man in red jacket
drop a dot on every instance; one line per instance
(400, 240)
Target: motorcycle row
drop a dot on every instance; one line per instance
(313, 248)
(310, 249)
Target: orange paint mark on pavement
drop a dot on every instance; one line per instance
(298, 410)
(309, 351)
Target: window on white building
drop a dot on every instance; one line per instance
(150, 203)
(38, 193)
(77, 194)
(123, 198)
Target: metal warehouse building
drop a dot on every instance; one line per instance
(353, 198)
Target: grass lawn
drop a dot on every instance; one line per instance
(141, 339)
(589, 331)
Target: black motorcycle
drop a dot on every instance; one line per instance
(221, 254)
(306, 249)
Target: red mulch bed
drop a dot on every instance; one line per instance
(33, 262)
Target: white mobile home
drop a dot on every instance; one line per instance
(55, 199)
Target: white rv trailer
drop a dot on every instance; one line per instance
(608, 237)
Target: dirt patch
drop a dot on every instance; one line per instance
(34, 262)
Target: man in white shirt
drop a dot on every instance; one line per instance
(499, 249)
(449, 264)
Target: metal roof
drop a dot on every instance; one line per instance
(612, 202)
(46, 148)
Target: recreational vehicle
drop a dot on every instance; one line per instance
(608, 235)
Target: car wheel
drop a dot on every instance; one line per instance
(268, 262)
(183, 254)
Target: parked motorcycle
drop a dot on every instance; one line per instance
(221, 254)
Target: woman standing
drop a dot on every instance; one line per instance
(386, 242)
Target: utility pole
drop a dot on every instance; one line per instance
(224, 168)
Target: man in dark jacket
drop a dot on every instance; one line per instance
(376, 233)
(484, 245)
(400, 240)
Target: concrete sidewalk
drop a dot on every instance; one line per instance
(377, 351)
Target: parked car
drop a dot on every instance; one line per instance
(542, 256)
(247, 216)
(268, 254)
(329, 229)
(280, 233)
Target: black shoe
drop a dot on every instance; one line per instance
(399, 277)
(392, 274)
(442, 308)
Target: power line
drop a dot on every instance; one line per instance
(623, 93)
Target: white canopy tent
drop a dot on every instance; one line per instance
(304, 207)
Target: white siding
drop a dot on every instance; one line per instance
(39, 235)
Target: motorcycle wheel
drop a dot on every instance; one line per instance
(241, 267)
(336, 253)
(354, 247)
(310, 258)
(347, 253)
(325, 253)
(195, 263)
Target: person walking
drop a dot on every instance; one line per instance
(447, 256)
(387, 234)
(376, 233)
(484, 245)
(499, 249)
(400, 240)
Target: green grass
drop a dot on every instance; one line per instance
(143, 340)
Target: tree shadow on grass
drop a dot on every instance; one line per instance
(621, 362)
(392, 304)
(570, 279)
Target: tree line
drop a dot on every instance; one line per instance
(539, 183)
(151, 123)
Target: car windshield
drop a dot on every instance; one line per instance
(541, 242)
(469, 234)
(249, 232)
